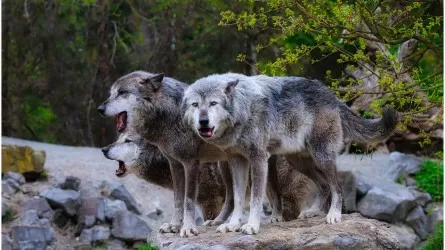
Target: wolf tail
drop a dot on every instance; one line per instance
(359, 129)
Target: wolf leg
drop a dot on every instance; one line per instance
(239, 168)
(259, 168)
(177, 171)
(192, 171)
(227, 207)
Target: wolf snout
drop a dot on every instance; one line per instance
(101, 109)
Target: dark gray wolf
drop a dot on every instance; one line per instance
(251, 118)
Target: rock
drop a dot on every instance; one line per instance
(388, 201)
(5, 207)
(29, 218)
(17, 177)
(119, 191)
(112, 206)
(129, 227)
(44, 222)
(97, 233)
(418, 221)
(116, 244)
(155, 214)
(31, 237)
(354, 232)
(68, 200)
(9, 187)
(60, 218)
(89, 192)
(409, 181)
(22, 159)
(84, 222)
(93, 207)
(406, 236)
(40, 205)
(421, 198)
(348, 185)
(402, 164)
(71, 182)
(6, 242)
(434, 215)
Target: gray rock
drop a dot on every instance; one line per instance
(421, 198)
(402, 164)
(348, 185)
(116, 244)
(112, 206)
(363, 184)
(434, 215)
(31, 237)
(86, 236)
(154, 214)
(60, 218)
(68, 200)
(409, 181)
(89, 221)
(129, 227)
(9, 187)
(93, 207)
(17, 177)
(96, 233)
(389, 202)
(6, 242)
(71, 182)
(5, 206)
(44, 222)
(29, 218)
(418, 221)
(40, 205)
(89, 192)
(407, 237)
(119, 191)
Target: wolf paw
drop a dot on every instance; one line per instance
(227, 227)
(209, 223)
(275, 219)
(188, 232)
(250, 229)
(308, 214)
(334, 216)
(169, 228)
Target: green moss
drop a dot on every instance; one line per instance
(9, 215)
(435, 240)
(148, 246)
(430, 179)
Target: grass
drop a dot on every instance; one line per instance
(435, 240)
(430, 179)
(148, 246)
(9, 215)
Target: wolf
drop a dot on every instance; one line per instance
(251, 118)
(151, 104)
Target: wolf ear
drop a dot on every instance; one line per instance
(230, 86)
(155, 81)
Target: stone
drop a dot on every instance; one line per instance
(354, 232)
(93, 207)
(68, 200)
(9, 187)
(409, 181)
(154, 214)
(362, 184)
(434, 215)
(86, 236)
(96, 233)
(116, 244)
(22, 159)
(401, 164)
(6, 242)
(29, 218)
(17, 177)
(42, 207)
(418, 221)
(388, 201)
(406, 236)
(71, 182)
(60, 218)
(32, 237)
(119, 191)
(422, 198)
(112, 206)
(44, 222)
(348, 185)
(5, 207)
(129, 227)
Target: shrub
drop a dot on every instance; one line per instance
(148, 246)
(435, 240)
(430, 179)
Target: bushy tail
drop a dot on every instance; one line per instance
(358, 129)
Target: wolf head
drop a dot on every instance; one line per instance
(208, 105)
(129, 93)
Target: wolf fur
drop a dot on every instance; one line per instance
(251, 118)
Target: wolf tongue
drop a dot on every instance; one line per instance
(119, 122)
(208, 132)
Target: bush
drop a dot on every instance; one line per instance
(435, 240)
(9, 215)
(430, 179)
(148, 246)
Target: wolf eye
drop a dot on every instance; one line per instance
(127, 141)
(121, 92)
(195, 104)
(213, 103)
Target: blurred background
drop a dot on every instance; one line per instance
(61, 57)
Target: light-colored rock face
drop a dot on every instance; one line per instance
(130, 227)
(354, 232)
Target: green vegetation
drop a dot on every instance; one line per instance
(148, 246)
(435, 240)
(9, 215)
(430, 179)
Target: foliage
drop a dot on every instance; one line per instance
(435, 240)
(430, 179)
(9, 215)
(389, 51)
(148, 246)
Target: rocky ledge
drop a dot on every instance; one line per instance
(354, 232)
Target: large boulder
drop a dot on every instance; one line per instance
(129, 227)
(406, 236)
(422, 198)
(31, 237)
(112, 207)
(418, 221)
(68, 200)
(22, 159)
(40, 205)
(353, 232)
(401, 164)
(119, 191)
(29, 218)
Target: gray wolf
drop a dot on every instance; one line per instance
(150, 104)
(251, 118)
